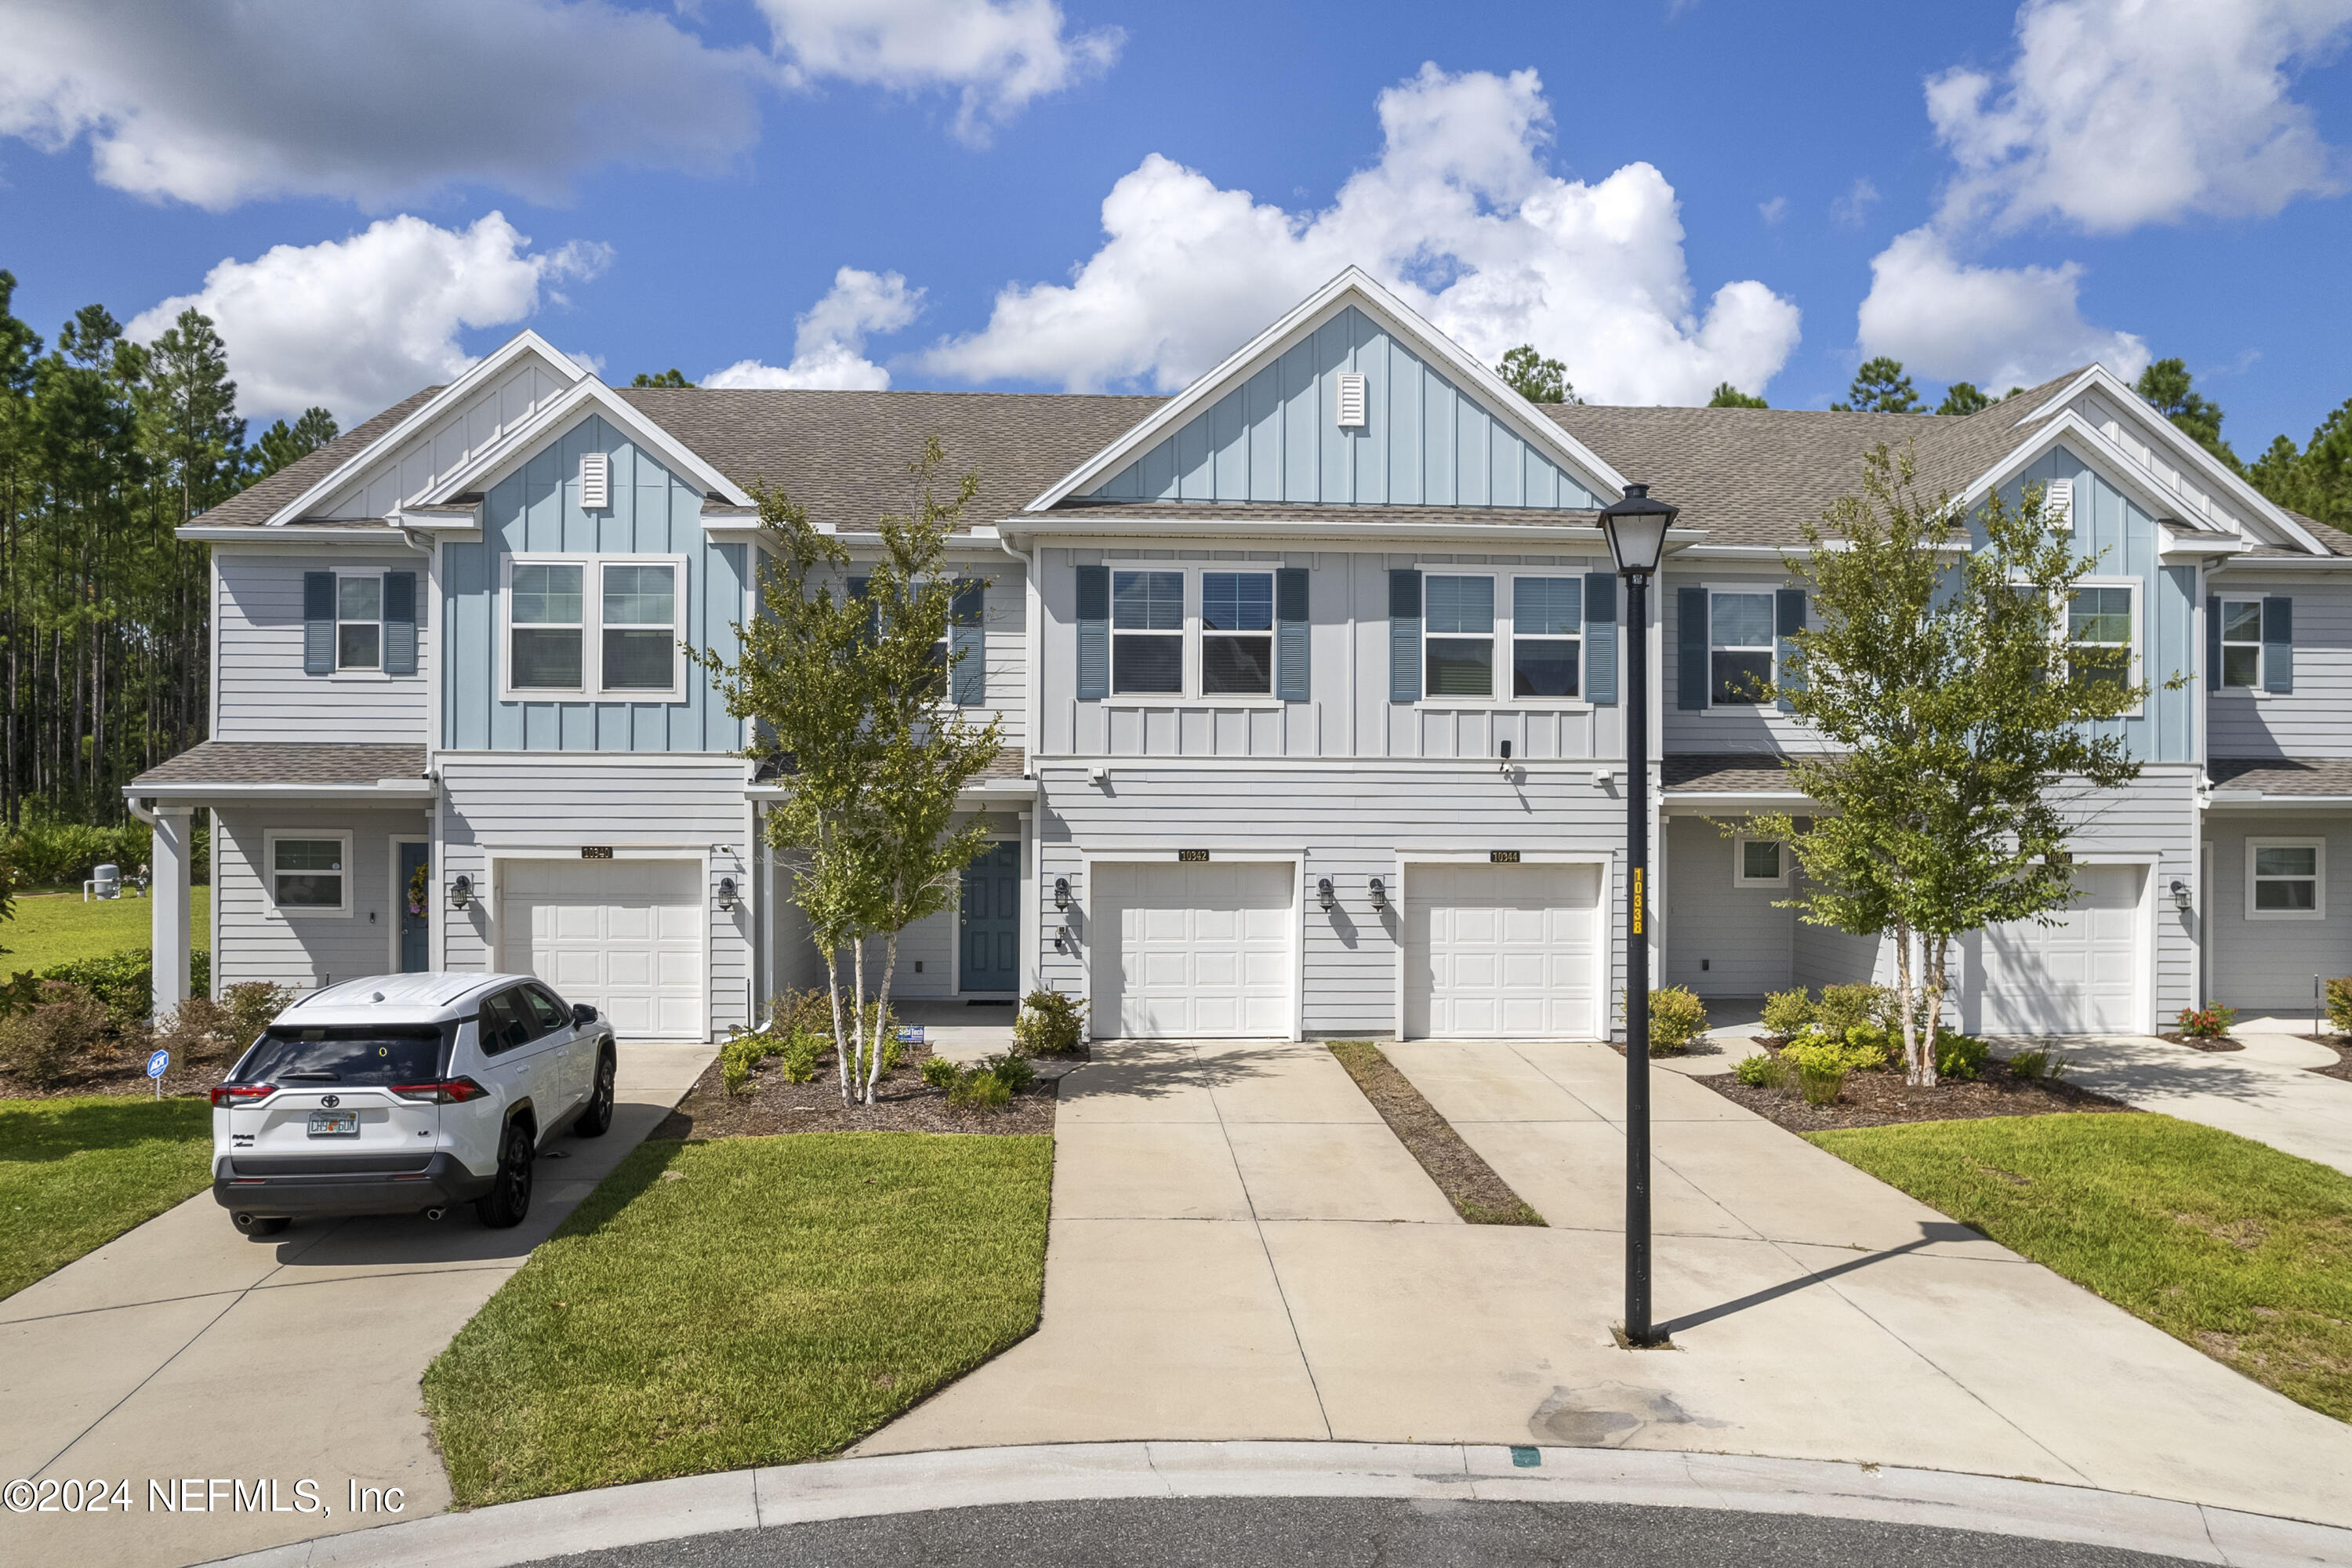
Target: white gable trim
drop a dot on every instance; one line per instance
(549, 424)
(1356, 288)
(2111, 462)
(450, 396)
(2164, 432)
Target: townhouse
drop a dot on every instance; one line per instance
(1313, 679)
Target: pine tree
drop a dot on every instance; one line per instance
(2167, 385)
(670, 377)
(1536, 378)
(282, 444)
(1962, 398)
(1879, 387)
(1729, 397)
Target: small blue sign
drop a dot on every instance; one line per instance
(157, 1063)
(911, 1036)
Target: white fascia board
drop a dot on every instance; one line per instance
(551, 423)
(1355, 287)
(396, 792)
(291, 533)
(2164, 432)
(983, 792)
(2250, 562)
(523, 342)
(1076, 527)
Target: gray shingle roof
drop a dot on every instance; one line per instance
(2283, 775)
(1725, 773)
(255, 504)
(285, 762)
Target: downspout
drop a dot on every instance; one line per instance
(1032, 721)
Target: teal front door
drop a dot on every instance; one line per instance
(415, 914)
(989, 930)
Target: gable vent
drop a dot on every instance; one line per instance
(1353, 400)
(595, 481)
(2058, 503)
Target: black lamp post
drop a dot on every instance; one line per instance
(1636, 527)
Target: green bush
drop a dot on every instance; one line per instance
(1960, 1056)
(803, 1049)
(1861, 1049)
(1677, 1018)
(2037, 1065)
(741, 1056)
(55, 1038)
(1050, 1023)
(1821, 1085)
(1762, 1071)
(1013, 1071)
(2339, 1005)
(980, 1090)
(2206, 1023)
(200, 1028)
(940, 1073)
(1787, 1012)
(1843, 1007)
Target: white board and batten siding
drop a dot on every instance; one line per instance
(254, 941)
(260, 692)
(450, 441)
(503, 809)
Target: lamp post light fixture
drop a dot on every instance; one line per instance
(1636, 529)
(461, 892)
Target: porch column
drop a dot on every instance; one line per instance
(169, 895)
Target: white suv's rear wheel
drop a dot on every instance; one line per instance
(509, 1199)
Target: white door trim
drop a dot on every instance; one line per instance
(1148, 856)
(400, 893)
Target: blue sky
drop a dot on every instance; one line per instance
(2122, 178)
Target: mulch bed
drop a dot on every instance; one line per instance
(126, 1074)
(1469, 1184)
(903, 1103)
(1883, 1098)
(2218, 1043)
(2342, 1047)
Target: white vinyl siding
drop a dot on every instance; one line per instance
(2286, 878)
(261, 692)
(253, 939)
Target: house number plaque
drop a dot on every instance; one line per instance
(595, 852)
(1192, 855)
(1503, 857)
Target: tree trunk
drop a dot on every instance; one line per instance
(1938, 957)
(857, 1009)
(881, 1012)
(832, 991)
(1906, 988)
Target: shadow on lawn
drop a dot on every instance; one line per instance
(36, 1137)
(1931, 1233)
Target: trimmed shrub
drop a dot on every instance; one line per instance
(56, 1038)
(2339, 1005)
(1677, 1018)
(1843, 1007)
(252, 1005)
(1861, 1049)
(803, 1050)
(1787, 1012)
(1960, 1056)
(741, 1057)
(1763, 1071)
(1821, 1085)
(2037, 1065)
(1013, 1071)
(980, 1090)
(2206, 1023)
(940, 1073)
(1050, 1023)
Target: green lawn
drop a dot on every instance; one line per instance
(2227, 1244)
(58, 928)
(76, 1173)
(743, 1301)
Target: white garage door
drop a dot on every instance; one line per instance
(2080, 976)
(623, 936)
(1187, 952)
(1501, 952)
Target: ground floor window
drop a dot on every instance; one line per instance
(1759, 863)
(309, 873)
(2284, 880)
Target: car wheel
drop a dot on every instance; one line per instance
(509, 1199)
(598, 1115)
(255, 1225)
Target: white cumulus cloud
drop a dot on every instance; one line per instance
(1000, 55)
(829, 346)
(357, 324)
(1998, 326)
(1461, 215)
(2117, 113)
(216, 103)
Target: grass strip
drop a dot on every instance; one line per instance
(743, 1301)
(2223, 1243)
(1469, 1184)
(76, 1172)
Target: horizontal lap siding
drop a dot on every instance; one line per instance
(263, 694)
(1746, 943)
(1732, 728)
(2269, 964)
(2310, 721)
(1004, 620)
(253, 941)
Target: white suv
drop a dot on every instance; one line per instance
(404, 1094)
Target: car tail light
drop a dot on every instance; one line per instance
(442, 1091)
(242, 1093)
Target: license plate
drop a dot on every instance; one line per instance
(334, 1124)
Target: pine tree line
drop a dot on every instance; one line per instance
(106, 447)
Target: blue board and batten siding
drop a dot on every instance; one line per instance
(537, 510)
(1276, 437)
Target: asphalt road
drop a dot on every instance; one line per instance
(1309, 1532)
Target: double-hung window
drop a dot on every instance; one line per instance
(2101, 617)
(1458, 636)
(639, 618)
(1547, 636)
(1236, 633)
(546, 630)
(359, 622)
(1147, 628)
(308, 873)
(1740, 656)
(585, 627)
(2283, 879)
(2242, 643)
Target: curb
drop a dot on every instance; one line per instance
(511, 1533)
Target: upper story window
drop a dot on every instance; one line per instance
(1146, 624)
(640, 622)
(1547, 626)
(1236, 633)
(1458, 632)
(545, 609)
(359, 622)
(2242, 643)
(1739, 653)
(2102, 616)
(588, 627)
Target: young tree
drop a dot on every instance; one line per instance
(1879, 387)
(2167, 385)
(1729, 397)
(1953, 675)
(1963, 397)
(1536, 378)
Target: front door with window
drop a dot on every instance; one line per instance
(990, 921)
(415, 912)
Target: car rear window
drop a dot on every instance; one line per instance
(350, 1053)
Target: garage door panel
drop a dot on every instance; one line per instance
(624, 937)
(1500, 951)
(1200, 950)
(2080, 974)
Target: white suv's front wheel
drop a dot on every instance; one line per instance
(509, 1199)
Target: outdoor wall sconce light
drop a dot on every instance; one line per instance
(1379, 895)
(725, 895)
(461, 892)
(1061, 940)
(1507, 757)
(1061, 892)
(2180, 895)
(1324, 896)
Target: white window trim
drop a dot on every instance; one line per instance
(269, 839)
(592, 628)
(2138, 631)
(1771, 591)
(2318, 879)
(1740, 877)
(1506, 633)
(2261, 656)
(360, 672)
(1191, 695)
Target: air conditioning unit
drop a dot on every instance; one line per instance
(1353, 400)
(595, 481)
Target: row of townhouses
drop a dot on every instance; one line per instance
(1312, 680)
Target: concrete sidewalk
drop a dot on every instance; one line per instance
(1240, 1249)
(183, 1349)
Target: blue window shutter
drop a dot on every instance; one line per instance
(1094, 632)
(1290, 681)
(2278, 645)
(318, 623)
(1601, 637)
(1789, 616)
(967, 643)
(1405, 636)
(2212, 642)
(400, 623)
(1690, 648)
(873, 615)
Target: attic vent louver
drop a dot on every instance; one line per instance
(595, 481)
(2058, 503)
(1352, 400)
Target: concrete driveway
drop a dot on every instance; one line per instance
(1240, 1249)
(183, 1352)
